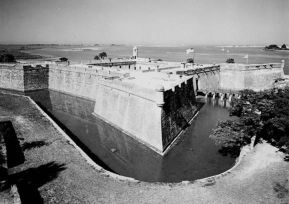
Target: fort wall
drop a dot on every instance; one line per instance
(23, 77)
(236, 77)
(155, 119)
(209, 81)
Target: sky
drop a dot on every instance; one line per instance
(145, 22)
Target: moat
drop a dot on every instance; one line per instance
(194, 156)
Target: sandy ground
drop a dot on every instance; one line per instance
(58, 172)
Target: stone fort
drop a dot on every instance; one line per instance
(150, 100)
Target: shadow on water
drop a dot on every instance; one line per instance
(28, 181)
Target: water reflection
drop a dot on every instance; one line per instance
(195, 156)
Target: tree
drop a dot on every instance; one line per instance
(63, 59)
(190, 60)
(230, 60)
(7, 58)
(272, 47)
(102, 55)
(283, 47)
(96, 57)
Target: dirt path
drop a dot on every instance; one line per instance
(57, 173)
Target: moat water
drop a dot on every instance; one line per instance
(194, 156)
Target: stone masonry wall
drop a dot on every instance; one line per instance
(236, 77)
(23, 78)
(35, 78)
(209, 81)
(137, 116)
(11, 77)
(179, 108)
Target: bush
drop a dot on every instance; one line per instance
(283, 47)
(7, 58)
(96, 57)
(230, 60)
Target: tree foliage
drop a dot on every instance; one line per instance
(190, 60)
(264, 115)
(63, 59)
(283, 46)
(273, 46)
(7, 58)
(102, 55)
(230, 60)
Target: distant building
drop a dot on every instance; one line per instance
(135, 52)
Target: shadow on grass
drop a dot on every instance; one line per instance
(34, 144)
(28, 181)
(14, 151)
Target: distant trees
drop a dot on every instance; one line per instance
(272, 47)
(230, 60)
(63, 59)
(101, 55)
(8, 58)
(276, 47)
(190, 60)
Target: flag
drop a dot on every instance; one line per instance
(246, 57)
(191, 50)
